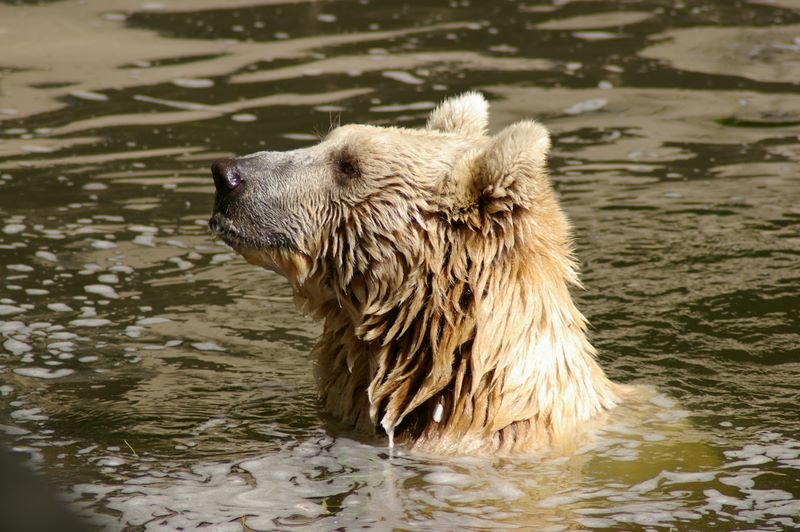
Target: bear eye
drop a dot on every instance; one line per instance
(347, 167)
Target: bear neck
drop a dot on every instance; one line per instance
(481, 348)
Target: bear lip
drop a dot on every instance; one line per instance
(227, 231)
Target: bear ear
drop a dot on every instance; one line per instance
(510, 169)
(467, 114)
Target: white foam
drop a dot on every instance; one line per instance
(449, 479)
(155, 320)
(90, 322)
(595, 35)
(90, 267)
(244, 117)
(397, 108)
(62, 335)
(144, 240)
(62, 346)
(102, 290)
(16, 347)
(596, 522)
(684, 477)
(86, 450)
(206, 425)
(403, 77)
(180, 263)
(755, 460)
(193, 83)
(220, 258)
(29, 414)
(587, 106)
(662, 401)
(13, 229)
(121, 268)
(7, 310)
(44, 373)
(143, 228)
(59, 307)
(36, 291)
(89, 95)
(111, 461)
(207, 346)
(108, 217)
(103, 244)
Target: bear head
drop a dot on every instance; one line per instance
(377, 201)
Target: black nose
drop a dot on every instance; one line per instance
(226, 175)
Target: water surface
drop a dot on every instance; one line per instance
(164, 383)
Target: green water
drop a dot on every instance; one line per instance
(161, 382)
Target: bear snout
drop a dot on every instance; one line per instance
(227, 176)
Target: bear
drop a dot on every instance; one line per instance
(440, 262)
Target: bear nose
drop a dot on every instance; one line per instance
(226, 175)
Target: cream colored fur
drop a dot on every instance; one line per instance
(444, 290)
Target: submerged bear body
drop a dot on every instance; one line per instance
(440, 262)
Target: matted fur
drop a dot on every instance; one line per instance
(442, 277)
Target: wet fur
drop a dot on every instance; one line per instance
(448, 321)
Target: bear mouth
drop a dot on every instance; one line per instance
(232, 235)
(226, 230)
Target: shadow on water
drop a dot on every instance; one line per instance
(164, 384)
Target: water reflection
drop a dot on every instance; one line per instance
(631, 474)
(163, 390)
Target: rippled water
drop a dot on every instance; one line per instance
(163, 383)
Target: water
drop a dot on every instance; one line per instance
(163, 383)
